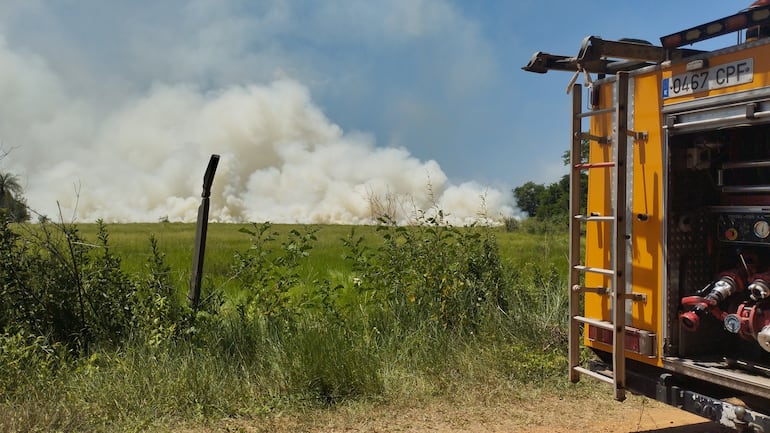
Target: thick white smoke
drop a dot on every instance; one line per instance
(143, 158)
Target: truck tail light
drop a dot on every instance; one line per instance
(637, 340)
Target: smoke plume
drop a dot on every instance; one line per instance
(142, 157)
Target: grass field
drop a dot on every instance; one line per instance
(176, 240)
(308, 317)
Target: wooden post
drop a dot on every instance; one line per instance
(194, 295)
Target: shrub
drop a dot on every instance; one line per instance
(56, 284)
(267, 272)
(431, 272)
(26, 362)
(159, 313)
(107, 291)
(40, 283)
(511, 224)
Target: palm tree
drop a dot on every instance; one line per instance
(9, 188)
(10, 197)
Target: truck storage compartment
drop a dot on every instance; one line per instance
(718, 245)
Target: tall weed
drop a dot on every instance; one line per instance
(424, 309)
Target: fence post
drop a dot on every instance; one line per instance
(194, 295)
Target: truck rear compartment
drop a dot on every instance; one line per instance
(718, 209)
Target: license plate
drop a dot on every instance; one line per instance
(716, 77)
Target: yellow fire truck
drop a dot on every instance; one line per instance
(670, 260)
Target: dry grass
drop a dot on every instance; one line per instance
(582, 409)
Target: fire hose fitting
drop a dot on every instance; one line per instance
(750, 322)
(759, 288)
(699, 307)
(763, 338)
(727, 284)
(690, 320)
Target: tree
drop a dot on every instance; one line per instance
(552, 201)
(9, 186)
(11, 198)
(528, 197)
(544, 201)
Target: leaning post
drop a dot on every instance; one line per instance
(194, 295)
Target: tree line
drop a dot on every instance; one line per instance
(550, 203)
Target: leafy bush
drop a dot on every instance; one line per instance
(41, 285)
(268, 272)
(56, 284)
(107, 291)
(25, 361)
(159, 314)
(430, 273)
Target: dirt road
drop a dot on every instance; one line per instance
(542, 414)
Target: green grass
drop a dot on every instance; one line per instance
(549, 250)
(433, 312)
(176, 240)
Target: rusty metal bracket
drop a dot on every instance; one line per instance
(600, 56)
(636, 135)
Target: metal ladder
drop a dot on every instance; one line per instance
(617, 221)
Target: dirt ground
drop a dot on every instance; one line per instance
(539, 415)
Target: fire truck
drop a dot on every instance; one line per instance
(670, 250)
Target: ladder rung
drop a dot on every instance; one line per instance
(594, 217)
(597, 290)
(596, 112)
(588, 165)
(594, 322)
(594, 270)
(636, 297)
(596, 138)
(594, 374)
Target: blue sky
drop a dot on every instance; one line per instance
(93, 89)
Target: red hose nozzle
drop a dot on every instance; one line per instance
(690, 320)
